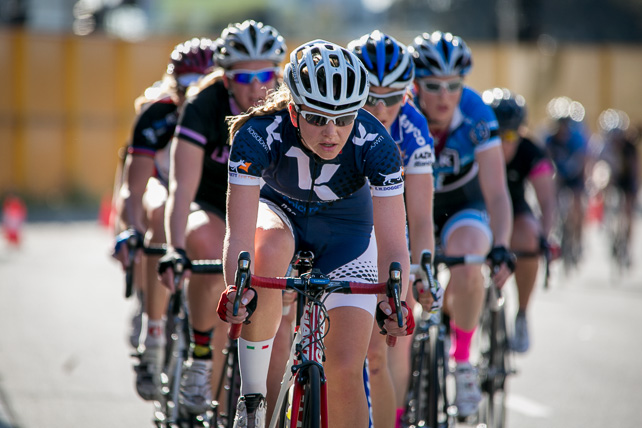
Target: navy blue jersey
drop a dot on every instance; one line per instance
(410, 132)
(153, 131)
(268, 148)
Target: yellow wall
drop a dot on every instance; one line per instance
(67, 102)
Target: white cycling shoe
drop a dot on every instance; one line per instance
(250, 411)
(468, 393)
(196, 391)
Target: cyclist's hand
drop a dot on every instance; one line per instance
(246, 308)
(387, 320)
(121, 247)
(431, 299)
(502, 262)
(171, 263)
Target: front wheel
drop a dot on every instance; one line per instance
(309, 403)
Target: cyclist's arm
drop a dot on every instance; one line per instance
(137, 171)
(544, 186)
(242, 209)
(184, 177)
(492, 179)
(390, 229)
(419, 200)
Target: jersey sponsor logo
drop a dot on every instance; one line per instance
(242, 165)
(410, 128)
(150, 136)
(221, 154)
(393, 178)
(480, 132)
(388, 188)
(306, 182)
(272, 135)
(364, 136)
(258, 138)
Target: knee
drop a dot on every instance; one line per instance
(467, 280)
(202, 246)
(377, 359)
(156, 230)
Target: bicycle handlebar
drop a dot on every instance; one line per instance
(311, 284)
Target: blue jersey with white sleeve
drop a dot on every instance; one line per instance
(473, 129)
(410, 131)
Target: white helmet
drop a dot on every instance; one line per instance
(326, 77)
(249, 41)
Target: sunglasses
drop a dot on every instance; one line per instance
(245, 77)
(435, 86)
(388, 99)
(318, 119)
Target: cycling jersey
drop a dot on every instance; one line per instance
(410, 131)
(202, 123)
(528, 158)
(328, 203)
(153, 131)
(568, 156)
(473, 129)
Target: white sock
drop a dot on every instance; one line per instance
(254, 360)
(155, 333)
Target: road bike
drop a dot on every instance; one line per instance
(427, 400)
(494, 364)
(304, 380)
(167, 410)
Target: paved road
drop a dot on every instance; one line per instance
(64, 355)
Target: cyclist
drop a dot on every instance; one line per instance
(144, 190)
(619, 150)
(567, 147)
(248, 54)
(471, 207)
(391, 73)
(319, 155)
(525, 161)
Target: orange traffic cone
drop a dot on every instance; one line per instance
(105, 216)
(14, 214)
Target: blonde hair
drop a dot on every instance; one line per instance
(274, 101)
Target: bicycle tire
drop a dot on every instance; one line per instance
(494, 368)
(233, 383)
(413, 409)
(310, 402)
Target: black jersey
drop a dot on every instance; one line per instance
(153, 131)
(527, 158)
(202, 123)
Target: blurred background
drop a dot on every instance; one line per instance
(71, 69)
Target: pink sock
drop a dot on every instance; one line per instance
(460, 348)
(398, 418)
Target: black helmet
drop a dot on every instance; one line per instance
(509, 108)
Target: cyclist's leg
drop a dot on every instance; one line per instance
(466, 233)
(346, 346)
(156, 295)
(204, 241)
(525, 238)
(274, 247)
(349, 255)
(382, 393)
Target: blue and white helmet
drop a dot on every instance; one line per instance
(440, 54)
(388, 62)
(249, 41)
(326, 77)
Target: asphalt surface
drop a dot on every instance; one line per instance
(64, 354)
